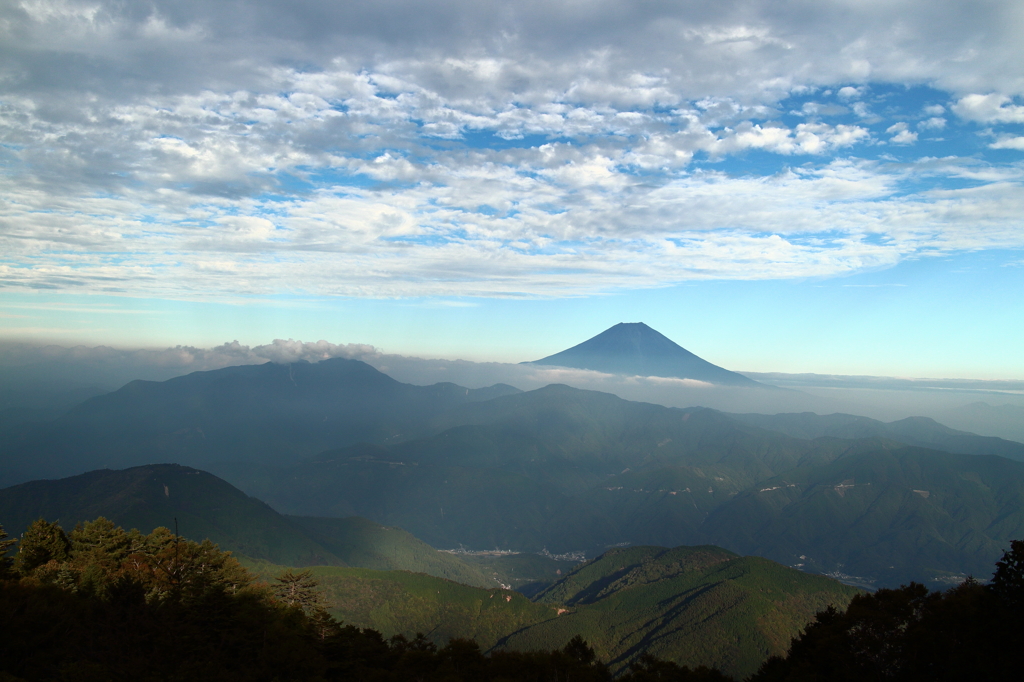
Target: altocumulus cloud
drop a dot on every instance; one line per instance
(403, 148)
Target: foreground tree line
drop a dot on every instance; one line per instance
(102, 603)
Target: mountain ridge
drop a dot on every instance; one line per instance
(267, 412)
(207, 507)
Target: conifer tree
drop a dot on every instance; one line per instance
(299, 589)
(42, 543)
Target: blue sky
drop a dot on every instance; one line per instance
(834, 188)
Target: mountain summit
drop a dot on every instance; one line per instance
(633, 348)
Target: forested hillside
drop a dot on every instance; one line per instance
(102, 603)
(699, 606)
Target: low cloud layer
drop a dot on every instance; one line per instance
(53, 376)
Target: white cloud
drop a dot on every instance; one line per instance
(904, 137)
(900, 134)
(934, 123)
(848, 93)
(992, 108)
(1008, 142)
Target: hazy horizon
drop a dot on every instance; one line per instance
(54, 376)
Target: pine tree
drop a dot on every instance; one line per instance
(42, 543)
(299, 589)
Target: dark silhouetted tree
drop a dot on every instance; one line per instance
(650, 669)
(6, 562)
(1008, 580)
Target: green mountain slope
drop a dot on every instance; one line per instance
(692, 605)
(362, 543)
(403, 603)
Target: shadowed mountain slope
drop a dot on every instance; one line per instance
(634, 349)
(151, 496)
(571, 470)
(251, 413)
(207, 507)
(519, 474)
(895, 516)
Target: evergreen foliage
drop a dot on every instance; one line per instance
(650, 669)
(42, 543)
(299, 590)
(6, 562)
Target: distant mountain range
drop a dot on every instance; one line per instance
(1005, 421)
(558, 468)
(634, 349)
(266, 413)
(919, 431)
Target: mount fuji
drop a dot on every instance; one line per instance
(633, 348)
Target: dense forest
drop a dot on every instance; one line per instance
(103, 603)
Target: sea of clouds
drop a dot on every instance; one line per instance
(56, 376)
